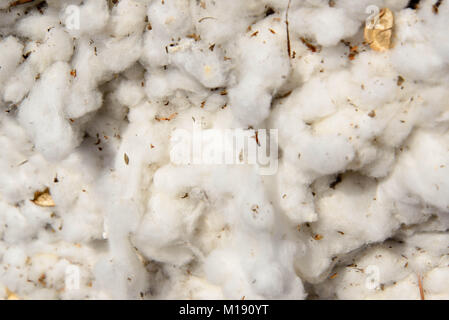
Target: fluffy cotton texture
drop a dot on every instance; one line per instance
(357, 208)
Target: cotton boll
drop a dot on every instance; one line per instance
(218, 22)
(316, 154)
(128, 17)
(93, 16)
(250, 112)
(95, 63)
(434, 22)
(36, 25)
(10, 57)
(314, 101)
(130, 93)
(4, 4)
(52, 135)
(200, 289)
(159, 84)
(417, 67)
(169, 18)
(258, 216)
(326, 25)
(205, 65)
(430, 187)
(118, 55)
(434, 283)
(413, 45)
(162, 235)
(358, 11)
(154, 52)
(20, 83)
(264, 64)
(20, 230)
(57, 47)
(221, 268)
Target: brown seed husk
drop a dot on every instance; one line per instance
(378, 33)
(43, 198)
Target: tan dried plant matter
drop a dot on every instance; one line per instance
(43, 198)
(379, 30)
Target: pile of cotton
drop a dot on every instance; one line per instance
(224, 149)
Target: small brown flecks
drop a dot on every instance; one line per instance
(254, 34)
(169, 118)
(38, 76)
(203, 4)
(255, 208)
(223, 92)
(272, 31)
(194, 36)
(308, 44)
(256, 137)
(243, 298)
(353, 51)
(333, 276)
(73, 73)
(26, 55)
(212, 47)
(42, 280)
(226, 58)
(126, 158)
(341, 232)
(284, 196)
(186, 195)
(43, 198)
(372, 114)
(203, 103)
(400, 81)
(298, 227)
(436, 6)
(318, 237)
(151, 146)
(149, 27)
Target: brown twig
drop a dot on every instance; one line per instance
(421, 289)
(18, 2)
(288, 32)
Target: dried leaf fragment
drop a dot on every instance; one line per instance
(11, 295)
(379, 30)
(43, 198)
(126, 158)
